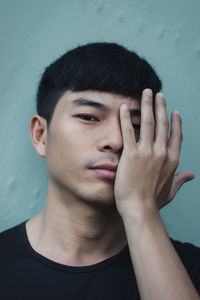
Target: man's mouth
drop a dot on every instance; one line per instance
(105, 170)
(105, 173)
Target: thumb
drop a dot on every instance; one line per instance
(179, 179)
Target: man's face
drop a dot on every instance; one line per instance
(82, 136)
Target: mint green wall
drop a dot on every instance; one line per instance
(34, 33)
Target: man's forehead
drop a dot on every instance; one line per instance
(105, 101)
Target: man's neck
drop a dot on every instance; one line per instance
(75, 234)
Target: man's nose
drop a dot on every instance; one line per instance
(111, 138)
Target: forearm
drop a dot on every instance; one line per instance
(159, 271)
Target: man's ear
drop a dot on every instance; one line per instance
(38, 131)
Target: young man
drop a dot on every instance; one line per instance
(100, 235)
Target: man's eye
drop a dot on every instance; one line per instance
(136, 126)
(90, 117)
(87, 117)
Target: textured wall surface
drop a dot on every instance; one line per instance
(34, 33)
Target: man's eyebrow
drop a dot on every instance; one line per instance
(87, 102)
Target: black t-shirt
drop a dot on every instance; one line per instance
(27, 275)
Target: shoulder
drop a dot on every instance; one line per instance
(188, 252)
(9, 238)
(190, 257)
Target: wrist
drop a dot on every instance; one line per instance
(140, 213)
(143, 223)
(139, 219)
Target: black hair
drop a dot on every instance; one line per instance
(104, 67)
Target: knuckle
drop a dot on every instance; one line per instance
(128, 128)
(147, 100)
(135, 156)
(179, 136)
(163, 102)
(149, 122)
(165, 122)
(174, 161)
(162, 154)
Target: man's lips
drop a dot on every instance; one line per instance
(110, 167)
(106, 170)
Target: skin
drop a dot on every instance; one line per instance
(87, 218)
(80, 216)
(159, 272)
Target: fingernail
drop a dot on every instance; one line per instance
(176, 112)
(161, 95)
(148, 92)
(124, 107)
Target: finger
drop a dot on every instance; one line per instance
(179, 179)
(147, 119)
(162, 122)
(128, 133)
(176, 136)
